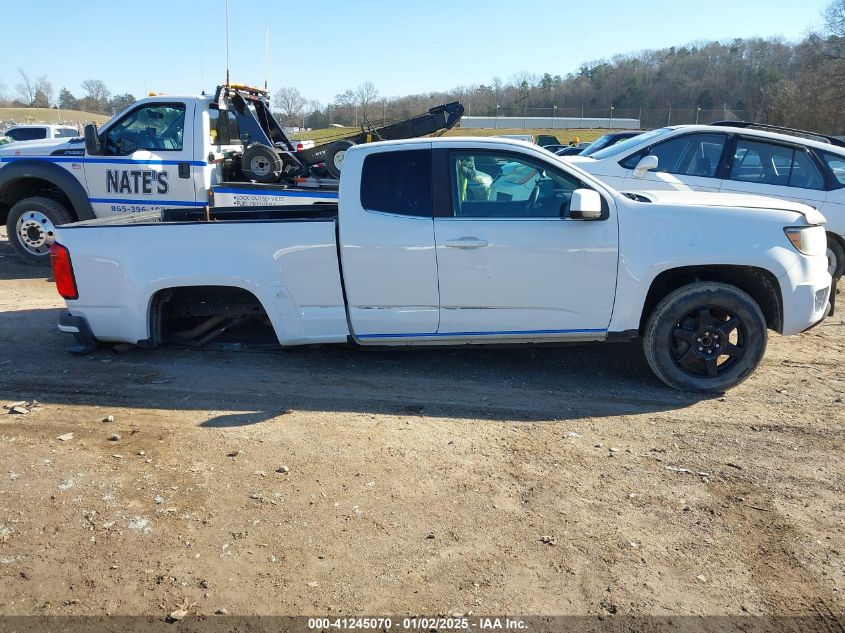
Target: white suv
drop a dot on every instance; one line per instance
(734, 156)
(40, 132)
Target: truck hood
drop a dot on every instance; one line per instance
(41, 148)
(743, 200)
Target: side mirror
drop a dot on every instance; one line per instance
(585, 205)
(646, 164)
(92, 140)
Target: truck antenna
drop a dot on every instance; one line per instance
(227, 42)
(266, 51)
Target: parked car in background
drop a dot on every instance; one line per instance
(517, 137)
(40, 132)
(544, 140)
(554, 147)
(571, 150)
(606, 140)
(734, 157)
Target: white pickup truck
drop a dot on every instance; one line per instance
(458, 242)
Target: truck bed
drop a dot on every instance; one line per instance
(286, 257)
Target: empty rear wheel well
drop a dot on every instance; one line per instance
(209, 315)
(759, 284)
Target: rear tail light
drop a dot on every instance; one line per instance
(63, 271)
(299, 147)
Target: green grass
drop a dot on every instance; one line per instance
(49, 115)
(563, 136)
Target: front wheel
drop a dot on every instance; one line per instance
(705, 337)
(30, 226)
(835, 257)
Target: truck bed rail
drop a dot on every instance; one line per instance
(321, 212)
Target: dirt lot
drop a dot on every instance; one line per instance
(413, 481)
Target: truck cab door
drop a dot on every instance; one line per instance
(386, 236)
(513, 264)
(146, 160)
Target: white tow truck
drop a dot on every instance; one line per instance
(170, 151)
(460, 242)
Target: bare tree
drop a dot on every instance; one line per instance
(291, 104)
(834, 18)
(783, 102)
(365, 95)
(344, 108)
(95, 89)
(95, 96)
(26, 88)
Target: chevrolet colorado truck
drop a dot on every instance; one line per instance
(455, 241)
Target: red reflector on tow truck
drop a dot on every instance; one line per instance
(63, 271)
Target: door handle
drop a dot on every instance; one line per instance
(466, 242)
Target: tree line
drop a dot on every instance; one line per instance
(796, 84)
(38, 92)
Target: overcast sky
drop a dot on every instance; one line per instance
(323, 48)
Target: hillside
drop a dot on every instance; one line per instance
(49, 115)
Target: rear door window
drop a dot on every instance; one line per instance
(836, 164)
(771, 164)
(398, 182)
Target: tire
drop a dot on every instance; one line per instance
(835, 257)
(334, 157)
(706, 337)
(261, 163)
(30, 226)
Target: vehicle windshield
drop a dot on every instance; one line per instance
(627, 144)
(606, 141)
(596, 145)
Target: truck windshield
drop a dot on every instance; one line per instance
(627, 144)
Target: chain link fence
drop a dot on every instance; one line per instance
(381, 113)
(610, 117)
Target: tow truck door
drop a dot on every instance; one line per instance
(146, 160)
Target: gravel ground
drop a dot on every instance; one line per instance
(341, 481)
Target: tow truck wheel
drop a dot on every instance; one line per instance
(30, 225)
(334, 157)
(261, 163)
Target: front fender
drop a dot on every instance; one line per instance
(23, 168)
